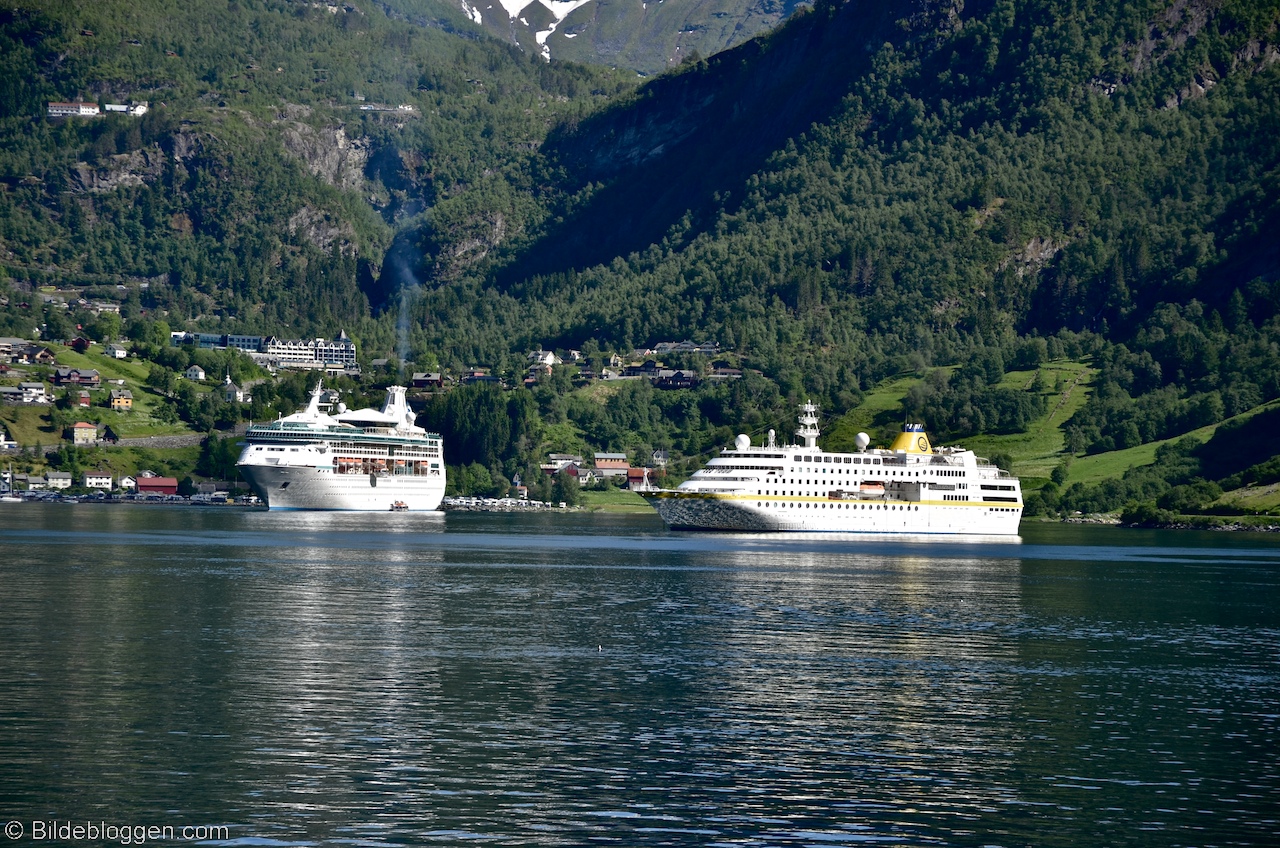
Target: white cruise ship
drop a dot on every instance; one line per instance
(909, 488)
(364, 459)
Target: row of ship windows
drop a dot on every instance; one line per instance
(908, 507)
(787, 481)
(857, 460)
(377, 452)
(946, 472)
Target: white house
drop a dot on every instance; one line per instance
(195, 372)
(57, 480)
(116, 351)
(544, 357)
(233, 393)
(79, 110)
(34, 393)
(128, 483)
(97, 480)
(136, 108)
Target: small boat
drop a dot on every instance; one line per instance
(399, 506)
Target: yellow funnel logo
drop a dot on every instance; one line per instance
(912, 439)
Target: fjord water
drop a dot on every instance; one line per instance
(325, 679)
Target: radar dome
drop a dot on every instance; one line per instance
(342, 407)
(742, 442)
(862, 440)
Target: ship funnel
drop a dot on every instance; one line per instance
(397, 408)
(912, 439)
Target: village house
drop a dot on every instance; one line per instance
(544, 357)
(121, 399)
(157, 485)
(233, 393)
(24, 393)
(77, 377)
(116, 351)
(83, 398)
(135, 108)
(57, 480)
(97, 480)
(558, 461)
(478, 376)
(128, 483)
(76, 109)
(334, 355)
(84, 433)
(33, 392)
(584, 475)
(36, 355)
(667, 379)
(195, 372)
(611, 465)
(427, 380)
(11, 348)
(638, 479)
(649, 368)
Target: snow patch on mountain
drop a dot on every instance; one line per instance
(559, 10)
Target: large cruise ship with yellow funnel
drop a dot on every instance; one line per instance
(910, 487)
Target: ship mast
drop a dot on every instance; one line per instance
(808, 429)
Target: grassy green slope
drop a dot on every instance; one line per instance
(1104, 466)
(1035, 452)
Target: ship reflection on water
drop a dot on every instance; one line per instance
(338, 678)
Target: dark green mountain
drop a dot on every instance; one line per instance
(869, 189)
(263, 185)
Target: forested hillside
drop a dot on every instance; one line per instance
(947, 190)
(265, 182)
(860, 194)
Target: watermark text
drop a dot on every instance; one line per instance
(121, 834)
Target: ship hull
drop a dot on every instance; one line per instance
(310, 487)
(689, 511)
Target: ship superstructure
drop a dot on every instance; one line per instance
(910, 487)
(364, 459)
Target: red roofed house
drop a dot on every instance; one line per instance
(84, 433)
(639, 479)
(157, 485)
